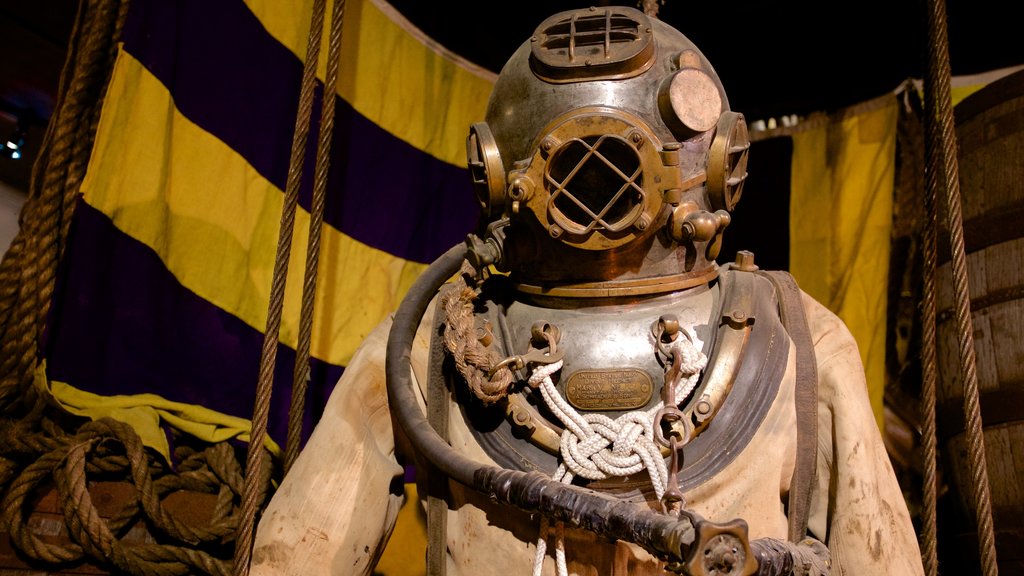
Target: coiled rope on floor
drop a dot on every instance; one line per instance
(107, 449)
(42, 448)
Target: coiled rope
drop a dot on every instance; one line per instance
(41, 447)
(107, 449)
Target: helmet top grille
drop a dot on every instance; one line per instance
(593, 44)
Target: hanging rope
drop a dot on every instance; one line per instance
(929, 376)
(256, 459)
(29, 268)
(301, 375)
(942, 163)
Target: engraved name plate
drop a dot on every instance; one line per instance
(611, 389)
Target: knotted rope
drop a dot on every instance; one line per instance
(596, 447)
(472, 359)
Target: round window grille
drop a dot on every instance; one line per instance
(595, 183)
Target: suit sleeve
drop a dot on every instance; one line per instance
(335, 510)
(858, 509)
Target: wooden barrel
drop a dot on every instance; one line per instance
(990, 133)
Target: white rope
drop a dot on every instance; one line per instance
(596, 447)
(561, 569)
(692, 362)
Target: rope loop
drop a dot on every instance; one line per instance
(110, 450)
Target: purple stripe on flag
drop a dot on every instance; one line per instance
(227, 74)
(122, 324)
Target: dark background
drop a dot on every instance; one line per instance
(775, 58)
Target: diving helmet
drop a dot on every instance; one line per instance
(606, 168)
(609, 161)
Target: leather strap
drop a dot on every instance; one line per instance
(437, 483)
(806, 396)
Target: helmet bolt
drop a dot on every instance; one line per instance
(636, 138)
(667, 327)
(547, 145)
(688, 230)
(519, 189)
(555, 231)
(703, 407)
(745, 261)
(642, 222)
(522, 418)
(699, 226)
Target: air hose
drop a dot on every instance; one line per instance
(690, 544)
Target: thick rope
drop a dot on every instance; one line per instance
(942, 162)
(300, 379)
(929, 377)
(471, 357)
(111, 450)
(650, 7)
(29, 268)
(27, 279)
(255, 460)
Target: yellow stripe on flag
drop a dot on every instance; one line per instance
(214, 221)
(391, 73)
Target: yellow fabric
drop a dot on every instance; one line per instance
(840, 222)
(214, 221)
(406, 551)
(958, 93)
(391, 74)
(145, 413)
